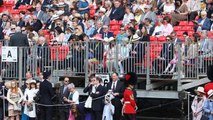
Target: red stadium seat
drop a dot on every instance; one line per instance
(190, 33)
(153, 39)
(177, 28)
(116, 32)
(162, 39)
(179, 33)
(187, 28)
(61, 50)
(210, 34)
(114, 28)
(183, 23)
(113, 22)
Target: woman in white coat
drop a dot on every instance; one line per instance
(29, 108)
(198, 103)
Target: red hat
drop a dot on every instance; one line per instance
(130, 79)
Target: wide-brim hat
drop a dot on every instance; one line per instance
(200, 89)
(102, 10)
(60, 5)
(54, 17)
(210, 93)
(130, 78)
(32, 82)
(210, 72)
(135, 38)
(109, 39)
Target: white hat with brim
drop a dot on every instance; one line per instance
(54, 17)
(200, 89)
(60, 12)
(32, 81)
(109, 39)
(61, 4)
(210, 93)
(102, 10)
(135, 38)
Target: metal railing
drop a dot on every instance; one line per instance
(83, 58)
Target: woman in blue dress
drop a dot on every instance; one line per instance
(83, 6)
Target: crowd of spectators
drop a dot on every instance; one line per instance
(104, 24)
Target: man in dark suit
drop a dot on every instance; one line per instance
(18, 21)
(166, 55)
(46, 95)
(97, 104)
(37, 24)
(3, 95)
(106, 33)
(176, 40)
(117, 11)
(4, 20)
(64, 92)
(19, 39)
(117, 88)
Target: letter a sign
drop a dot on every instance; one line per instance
(9, 54)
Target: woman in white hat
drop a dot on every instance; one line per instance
(198, 103)
(29, 108)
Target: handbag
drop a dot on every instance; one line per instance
(88, 103)
(204, 117)
(17, 107)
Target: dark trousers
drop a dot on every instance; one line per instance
(1, 113)
(31, 118)
(96, 115)
(118, 107)
(129, 117)
(63, 113)
(46, 113)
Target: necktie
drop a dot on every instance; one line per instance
(64, 89)
(105, 35)
(113, 87)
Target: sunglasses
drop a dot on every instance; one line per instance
(66, 81)
(168, 39)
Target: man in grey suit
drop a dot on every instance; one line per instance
(41, 15)
(148, 14)
(102, 17)
(206, 44)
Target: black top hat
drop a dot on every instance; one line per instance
(130, 79)
(46, 74)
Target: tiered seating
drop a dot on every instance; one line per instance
(115, 26)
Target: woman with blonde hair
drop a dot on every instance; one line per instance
(138, 14)
(14, 97)
(108, 6)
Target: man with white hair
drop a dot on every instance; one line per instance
(148, 14)
(204, 23)
(43, 53)
(19, 39)
(102, 17)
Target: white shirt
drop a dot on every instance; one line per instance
(30, 94)
(168, 8)
(75, 97)
(158, 29)
(127, 18)
(114, 83)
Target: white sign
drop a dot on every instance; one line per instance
(9, 54)
(105, 78)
